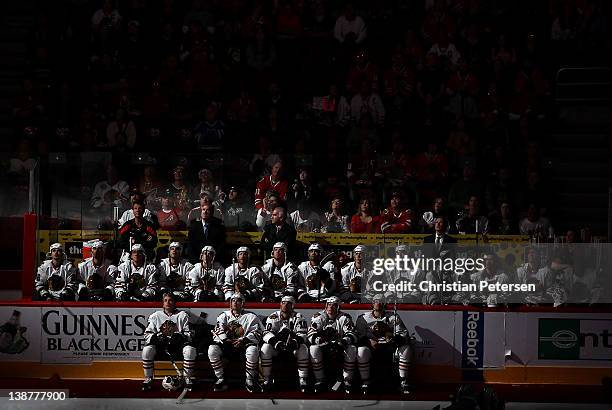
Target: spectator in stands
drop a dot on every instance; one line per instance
(502, 221)
(472, 221)
(180, 190)
(207, 186)
(209, 230)
(128, 214)
(121, 132)
(260, 52)
(209, 134)
(362, 69)
(138, 231)
(275, 182)
(445, 50)
(535, 192)
(534, 224)
(367, 102)
(461, 146)
(332, 187)
(150, 186)
(364, 221)
(363, 131)
(461, 190)
(28, 106)
(279, 231)
(110, 192)
(106, 24)
(431, 168)
(168, 216)
(335, 109)
(501, 190)
(304, 219)
(264, 214)
(236, 212)
(303, 188)
(335, 220)
(263, 161)
(396, 218)
(350, 28)
(438, 209)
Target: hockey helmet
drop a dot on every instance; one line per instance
(243, 249)
(137, 248)
(359, 248)
(289, 299)
(315, 247)
(175, 245)
(56, 246)
(97, 244)
(237, 296)
(171, 383)
(401, 248)
(333, 300)
(208, 248)
(280, 245)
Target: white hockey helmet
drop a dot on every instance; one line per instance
(359, 248)
(280, 245)
(171, 383)
(137, 248)
(333, 300)
(288, 298)
(175, 245)
(315, 247)
(237, 296)
(208, 248)
(56, 246)
(401, 248)
(243, 249)
(97, 244)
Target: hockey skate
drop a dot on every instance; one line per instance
(147, 384)
(405, 387)
(303, 385)
(320, 386)
(267, 386)
(188, 383)
(220, 385)
(365, 388)
(253, 386)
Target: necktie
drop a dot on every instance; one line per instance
(205, 228)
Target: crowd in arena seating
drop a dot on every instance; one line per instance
(433, 100)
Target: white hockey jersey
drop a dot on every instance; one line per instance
(325, 329)
(176, 323)
(138, 282)
(54, 280)
(252, 283)
(207, 280)
(279, 327)
(96, 277)
(308, 283)
(281, 279)
(352, 278)
(174, 277)
(382, 329)
(246, 325)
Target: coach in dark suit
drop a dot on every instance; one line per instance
(440, 244)
(209, 230)
(278, 231)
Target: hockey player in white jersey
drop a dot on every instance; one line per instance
(332, 334)
(238, 332)
(97, 275)
(174, 273)
(315, 281)
(382, 334)
(207, 277)
(241, 277)
(137, 280)
(285, 332)
(281, 275)
(56, 278)
(353, 275)
(168, 333)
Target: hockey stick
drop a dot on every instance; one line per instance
(179, 372)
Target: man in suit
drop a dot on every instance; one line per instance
(207, 231)
(442, 244)
(278, 231)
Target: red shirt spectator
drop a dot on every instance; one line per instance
(396, 218)
(363, 221)
(272, 182)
